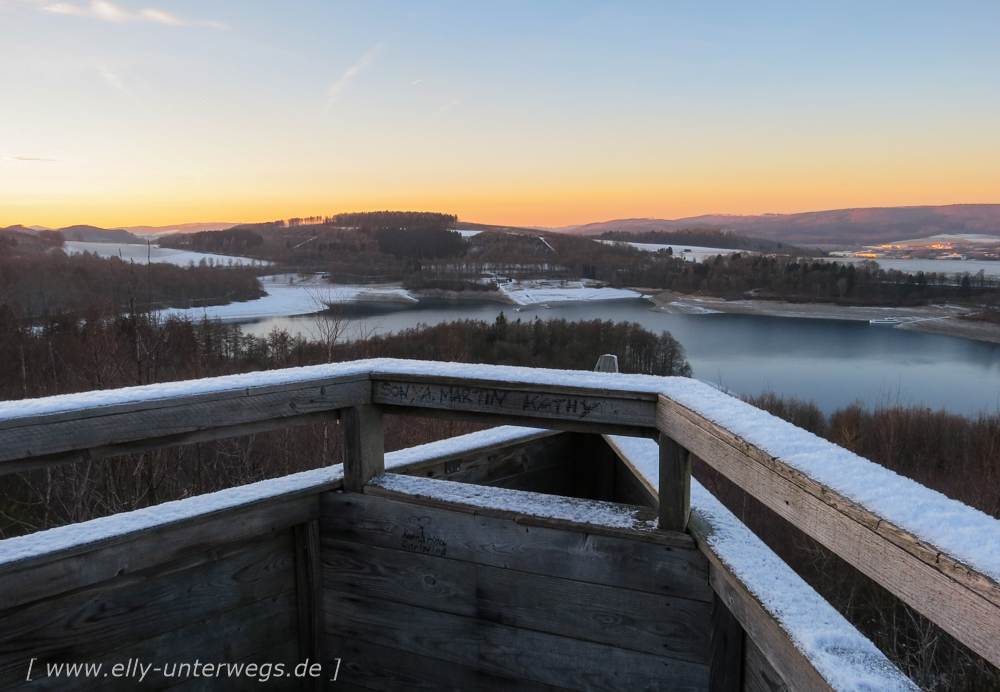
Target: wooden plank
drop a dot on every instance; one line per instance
(101, 620)
(79, 567)
(163, 442)
(595, 468)
(675, 485)
(518, 653)
(544, 403)
(525, 515)
(364, 445)
(309, 596)
(285, 653)
(962, 601)
(231, 637)
(635, 620)
(102, 428)
(374, 667)
(726, 667)
(528, 421)
(759, 675)
(659, 569)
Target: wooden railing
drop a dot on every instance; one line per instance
(937, 580)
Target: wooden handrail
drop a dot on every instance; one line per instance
(961, 599)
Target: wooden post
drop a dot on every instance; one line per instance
(364, 445)
(726, 663)
(309, 599)
(675, 485)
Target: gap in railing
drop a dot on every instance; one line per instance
(923, 651)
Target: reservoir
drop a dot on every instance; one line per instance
(832, 362)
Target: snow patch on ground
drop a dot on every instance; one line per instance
(140, 253)
(542, 291)
(692, 253)
(290, 294)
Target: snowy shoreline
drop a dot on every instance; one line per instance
(293, 294)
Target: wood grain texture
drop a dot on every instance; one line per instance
(309, 596)
(99, 621)
(518, 653)
(373, 667)
(675, 485)
(759, 675)
(658, 569)
(64, 571)
(105, 429)
(962, 601)
(726, 666)
(364, 445)
(515, 399)
(284, 653)
(233, 636)
(635, 620)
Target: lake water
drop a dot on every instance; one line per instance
(832, 362)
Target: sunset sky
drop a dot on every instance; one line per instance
(532, 113)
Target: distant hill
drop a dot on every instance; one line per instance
(93, 234)
(827, 229)
(182, 228)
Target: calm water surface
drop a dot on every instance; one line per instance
(833, 362)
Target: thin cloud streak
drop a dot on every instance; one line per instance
(351, 73)
(109, 12)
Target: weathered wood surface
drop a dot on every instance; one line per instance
(102, 431)
(500, 542)
(675, 485)
(758, 674)
(250, 632)
(635, 620)
(374, 667)
(309, 596)
(96, 622)
(962, 601)
(66, 570)
(726, 666)
(284, 653)
(546, 404)
(501, 650)
(364, 445)
(525, 517)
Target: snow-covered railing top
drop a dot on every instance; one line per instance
(938, 555)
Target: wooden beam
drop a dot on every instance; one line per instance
(555, 424)
(675, 485)
(962, 601)
(309, 599)
(518, 399)
(364, 445)
(726, 665)
(53, 438)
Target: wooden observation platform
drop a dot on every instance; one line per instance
(575, 553)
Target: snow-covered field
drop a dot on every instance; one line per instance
(155, 253)
(542, 291)
(696, 254)
(290, 294)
